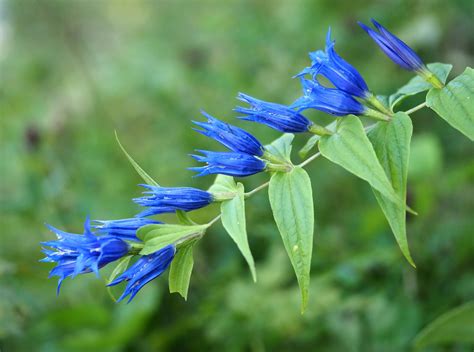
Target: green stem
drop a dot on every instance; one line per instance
(319, 130)
(416, 108)
(431, 78)
(377, 115)
(376, 103)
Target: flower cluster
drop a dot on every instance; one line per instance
(107, 241)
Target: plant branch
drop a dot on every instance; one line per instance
(416, 108)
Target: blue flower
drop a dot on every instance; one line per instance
(277, 116)
(227, 163)
(145, 269)
(329, 100)
(169, 199)
(234, 138)
(394, 48)
(343, 75)
(124, 229)
(78, 254)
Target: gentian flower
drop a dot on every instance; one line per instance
(160, 200)
(228, 163)
(145, 269)
(329, 100)
(394, 48)
(339, 72)
(277, 116)
(79, 254)
(125, 229)
(234, 138)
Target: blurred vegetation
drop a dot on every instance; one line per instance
(72, 72)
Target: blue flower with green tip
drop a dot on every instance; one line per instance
(79, 254)
(279, 117)
(339, 72)
(125, 229)
(145, 269)
(160, 200)
(228, 163)
(394, 47)
(329, 100)
(234, 138)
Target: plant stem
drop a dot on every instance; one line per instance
(310, 159)
(416, 108)
(255, 190)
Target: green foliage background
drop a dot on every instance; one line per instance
(72, 72)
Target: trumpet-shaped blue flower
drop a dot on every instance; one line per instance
(394, 47)
(78, 254)
(228, 163)
(234, 138)
(145, 269)
(277, 116)
(329, 100)
(125, 229)
(339, 72)
(160, 200)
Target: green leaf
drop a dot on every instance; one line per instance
(455, 326)
(147, 178)
(233, 219)
(223, 188)
(391, 141)
(157, 236)
(121, 266)
(455, 102)
(350, 148)
(291, 200)
(314, 139)
(280, 148)
(181, 269)
(418, 84)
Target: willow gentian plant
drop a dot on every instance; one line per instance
(378, 153)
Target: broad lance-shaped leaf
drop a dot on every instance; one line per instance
(391, 141)
(157, 236)
(418, 84)
(455, 102)
(291, 200)
(233, 219)
(455, 326)
(147, 178)
(350, 148)
(181, 269)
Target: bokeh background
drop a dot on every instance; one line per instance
(72, 72)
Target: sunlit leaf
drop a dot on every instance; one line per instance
(291, 200)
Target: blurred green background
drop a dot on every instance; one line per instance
(72, 72)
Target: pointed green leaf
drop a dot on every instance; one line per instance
(314, 139)
(233, 219)
(350, 148)
(147, 178)
(391, 141)
(181, 269)
(418, 84)
(455, 102)
(291, 200)
(280, 148)
(455, 326)
(157, 236)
